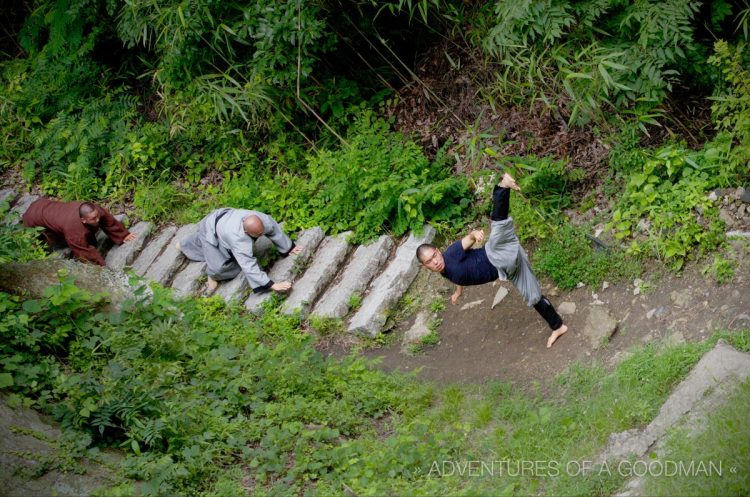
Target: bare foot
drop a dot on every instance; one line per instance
(556, 334)
(211, 284)
(507, 181)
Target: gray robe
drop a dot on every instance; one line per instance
(227, 249)
(505, 253)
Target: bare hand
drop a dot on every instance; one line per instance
(281, 286)
(296, 250)
(478, 235)
(456, 295)
(129, 237)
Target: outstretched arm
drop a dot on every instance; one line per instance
(473, 237)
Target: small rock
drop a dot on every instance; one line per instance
(419, 329)
(727, 217)
(741, 210)
(597, 302)
(746, 196)
(680, 298)
(580, 284)
(724, 307)
(605, 285)
(637, 290)
(712, 196)
(741, 318)
(675, 338)
(643, 225)
(554, 292)
(567, 308)
(499, 296)
(600, 325)
(738, 193)
(470, 305)
(620, 356)
(650, 313)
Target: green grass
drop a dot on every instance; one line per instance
(568, 258)
(192, 399)
(722, 450)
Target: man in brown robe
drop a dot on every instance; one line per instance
(75, 224)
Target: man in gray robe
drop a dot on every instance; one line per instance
(501, 258)
(225, 240)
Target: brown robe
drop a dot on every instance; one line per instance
(62, 226)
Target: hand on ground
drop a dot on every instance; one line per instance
(456, 295)
(281, 286)
(129, 237)
(296, 250)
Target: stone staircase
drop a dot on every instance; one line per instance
(328, 274)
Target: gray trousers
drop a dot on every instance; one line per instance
(505, 253)
(220, 264)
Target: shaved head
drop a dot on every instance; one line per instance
(85, 209)
(424, 251)
(88, 213)
(253, 226)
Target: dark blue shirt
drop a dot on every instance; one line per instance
(468, 267)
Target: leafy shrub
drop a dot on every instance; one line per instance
(665, 208)
(546, 180)
(17, 243)
(731, 110)
(193, 390)
(69, 150)
(379, 181)
(157, 201)
(601, 54)
(568, 258)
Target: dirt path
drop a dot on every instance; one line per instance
(507, 343)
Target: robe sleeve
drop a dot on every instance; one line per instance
(113, 228)
(256, 277)
(281, 241)
(83, 250)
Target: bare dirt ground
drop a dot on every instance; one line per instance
(507, 343)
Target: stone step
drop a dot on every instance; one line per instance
(325, 265)
(722, 364)
(186, 281)
(363, 265)
(711, 383)
(8, 195)
(234, 288)
(123, 255)
(167, 264)
(388, 288)
(22, 206)
(152, 250)
(286, 268)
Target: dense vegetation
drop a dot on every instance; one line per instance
(175, 107)
(208, 401)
